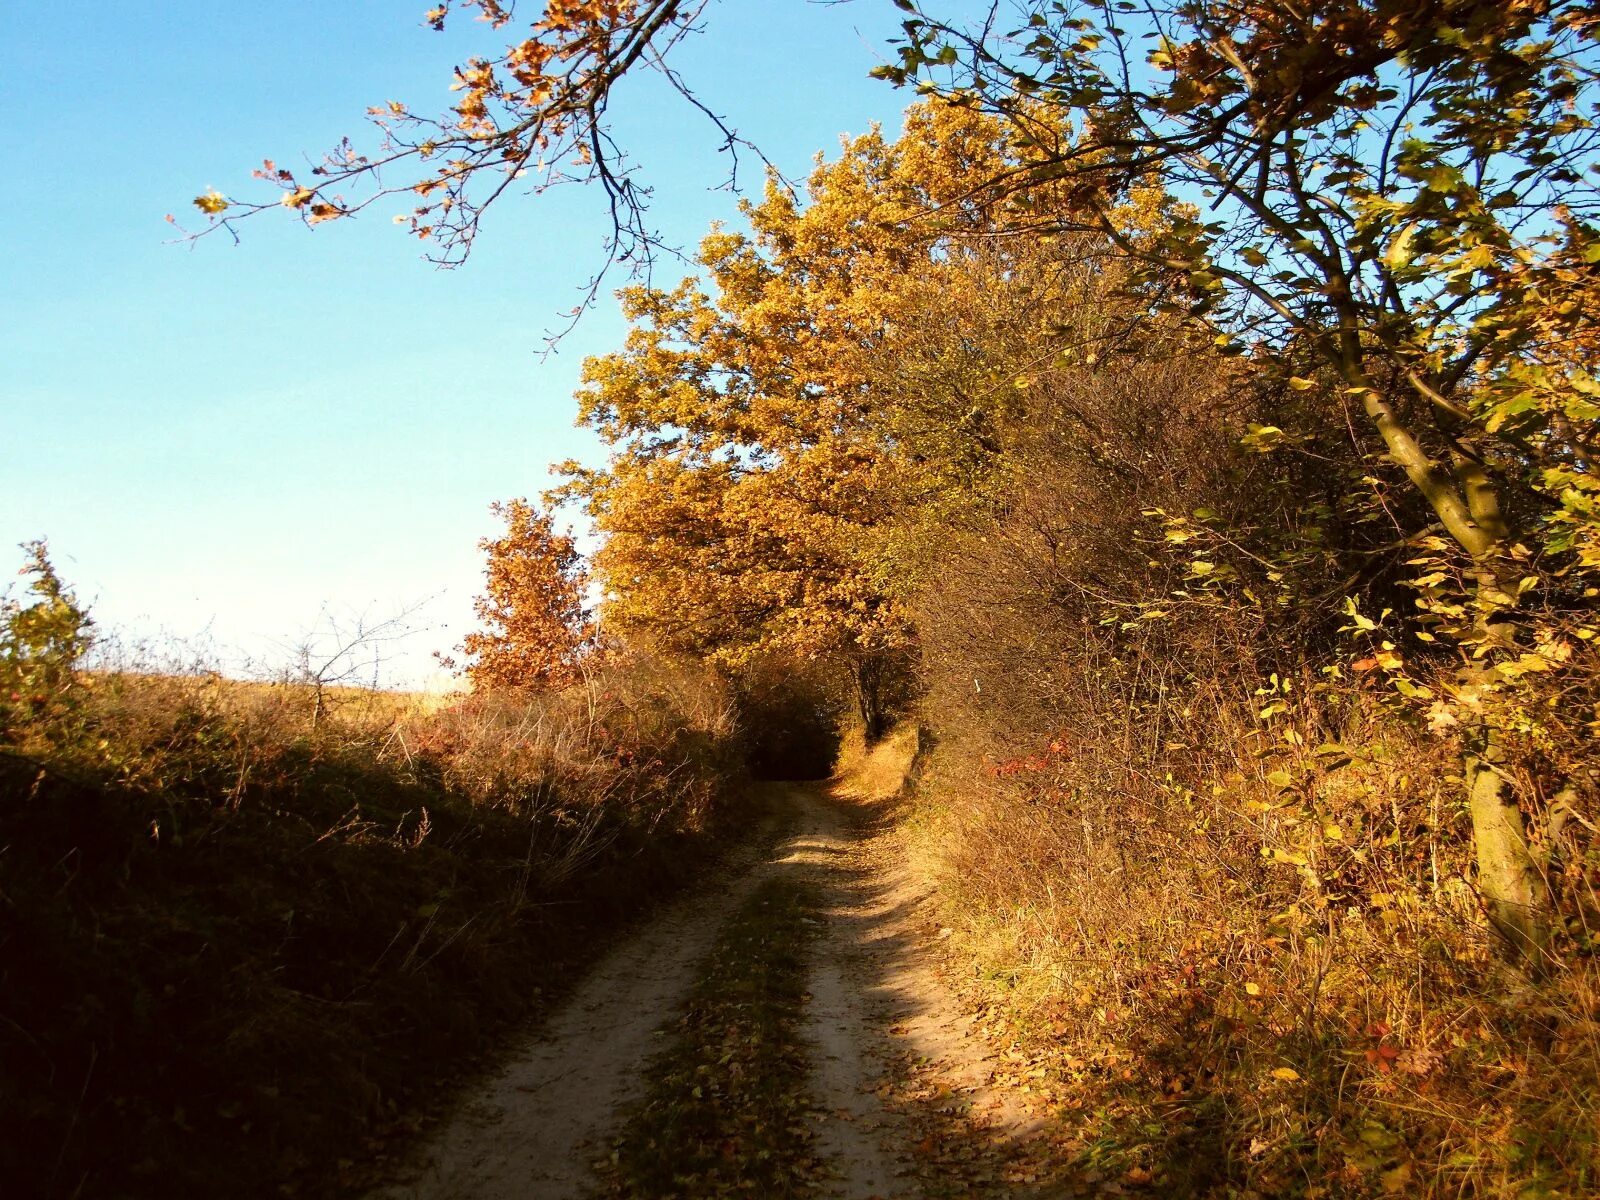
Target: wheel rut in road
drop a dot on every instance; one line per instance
(903, 1080)
(535, 1128)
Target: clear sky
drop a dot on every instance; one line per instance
(222, 440)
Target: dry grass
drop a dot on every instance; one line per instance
(241, 950)
(881, 771)
(1248, 965)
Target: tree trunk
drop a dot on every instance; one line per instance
(1509, 880)
(1513, 889)
(869, 698)
(1515, 894)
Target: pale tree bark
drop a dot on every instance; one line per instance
(1515, 897)
(1513, 887)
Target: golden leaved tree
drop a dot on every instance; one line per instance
(537, 627)
(759, 471)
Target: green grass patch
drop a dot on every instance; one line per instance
(727, 1110)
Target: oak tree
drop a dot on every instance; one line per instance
(759, 461)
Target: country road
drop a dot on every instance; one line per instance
(897, 1084)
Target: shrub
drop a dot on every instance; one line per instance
(1217, 867)
(41, 644)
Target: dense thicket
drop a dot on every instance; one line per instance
(1219, 702)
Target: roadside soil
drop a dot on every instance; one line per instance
(901, 1084)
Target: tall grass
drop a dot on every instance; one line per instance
(1293, 983)
(1225, 889)
(244, 946)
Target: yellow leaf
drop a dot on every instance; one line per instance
(1397, 1179)
(1287, 1074)
(211, 203)
(1253, 989)
(1399, 252)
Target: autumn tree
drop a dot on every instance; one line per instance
(537, 625)
(531, 116)
(42, 643)
(1387, 195)
(759, 472)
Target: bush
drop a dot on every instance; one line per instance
(40, 645)
(1216, 867)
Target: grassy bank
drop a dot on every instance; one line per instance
(1251, 961)
(244, 944)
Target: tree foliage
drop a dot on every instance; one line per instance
(537, 625)
(532, 116)
(767, 437)
(1384, 187)
(1394, 210)
(41, 644)
(749, 488)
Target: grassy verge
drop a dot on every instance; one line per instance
(1272, 979)
(241, 952)
(726, 1113)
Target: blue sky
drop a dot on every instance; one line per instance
(223, 440)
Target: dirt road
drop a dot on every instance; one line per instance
(898, 1082)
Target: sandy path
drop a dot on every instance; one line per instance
(534, 1130)
(855, 1133)
(900, 1081)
